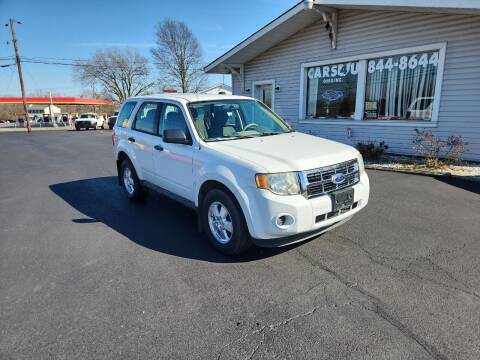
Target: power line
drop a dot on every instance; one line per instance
(53, 58)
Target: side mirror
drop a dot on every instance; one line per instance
(176, 136)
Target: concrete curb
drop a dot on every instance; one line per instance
(35, 129)
(444, 174)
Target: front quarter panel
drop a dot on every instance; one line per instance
(235, 174)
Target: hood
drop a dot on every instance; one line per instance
(287, 152)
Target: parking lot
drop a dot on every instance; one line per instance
(85, 274)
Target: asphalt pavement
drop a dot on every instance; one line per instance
(85, 274)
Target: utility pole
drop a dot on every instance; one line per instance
(20, 74)
(52, 116)
(94, 96)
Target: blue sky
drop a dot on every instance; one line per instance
(76, 29)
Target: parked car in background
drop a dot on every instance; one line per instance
(111, 121)
(89, 121)
(250, 176)
(420, 109)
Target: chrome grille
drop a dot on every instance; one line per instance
(83, 123)
(319, 181)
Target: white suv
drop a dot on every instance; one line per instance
(249, 176)
(89, 121)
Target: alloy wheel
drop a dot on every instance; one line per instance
(220, 222)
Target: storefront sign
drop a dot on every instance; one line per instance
(334, 73)
(403, 62)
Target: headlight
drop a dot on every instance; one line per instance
(361, 165)
(280, 184)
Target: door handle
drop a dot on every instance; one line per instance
(158, 147)
(131, 139)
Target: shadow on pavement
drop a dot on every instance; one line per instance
(465, 184)
(159, 223)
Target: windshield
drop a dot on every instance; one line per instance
(233, 119)
(86, 116)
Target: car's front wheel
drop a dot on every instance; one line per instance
(223, 221)
(130, 182)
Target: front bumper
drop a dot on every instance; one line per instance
(292, 239)
(311, 216)
(85, 124)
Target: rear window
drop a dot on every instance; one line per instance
(125, 112)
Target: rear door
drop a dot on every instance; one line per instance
(174, 162)
(144, 137)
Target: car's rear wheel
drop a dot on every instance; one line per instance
(223, 221)
(130, 182)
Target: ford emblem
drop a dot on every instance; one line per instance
(338, 178)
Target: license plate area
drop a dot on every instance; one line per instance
(342, 199)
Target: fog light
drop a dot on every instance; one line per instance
(284, 221)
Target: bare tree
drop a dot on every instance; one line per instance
(121, 73)
(178, 56)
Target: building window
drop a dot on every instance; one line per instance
(332, 90)
(401, 87)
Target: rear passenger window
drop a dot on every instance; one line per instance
(172, 118)
(146, 116)
(124, 115)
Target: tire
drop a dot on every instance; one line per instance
(237, 240)
(131, 185)
(77, 128)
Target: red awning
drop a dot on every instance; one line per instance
(56, 100)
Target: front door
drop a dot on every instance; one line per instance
(264, 92)
(173, 163)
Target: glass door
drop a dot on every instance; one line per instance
(264, 93)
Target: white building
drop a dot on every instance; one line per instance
(355, 70)
(218, 89)
(39, 111)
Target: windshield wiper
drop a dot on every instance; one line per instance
(270, 133)
(233, 137)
